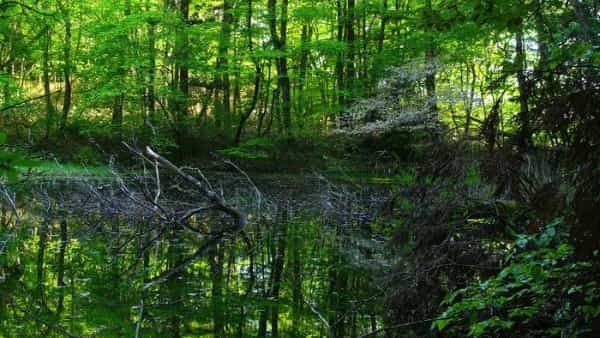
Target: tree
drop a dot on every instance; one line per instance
(278, 40)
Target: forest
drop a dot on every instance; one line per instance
(299, 168)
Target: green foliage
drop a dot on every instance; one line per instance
(87, 155)
(256, 148)
(10, 160)
(472, 177)
(543, 291)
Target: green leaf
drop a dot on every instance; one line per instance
(477, 329)
(441, 324)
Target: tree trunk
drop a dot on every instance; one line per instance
(350, 76)
(265, 99)
(279, 41)
(60, 273)
(524, 136)
(430, 63)
(257, 79)
(223, 117)
(117, 115)
(46, 78)
(183, 53)
(174, 284)
(469, 111)
(119, 99)
(251, 253)
(66, 69)
(216, 261)
(381, 34)
(246, 115)
(303, 67)
(41, 255)
(150, 99)
(339, 63)
(297, 278)
(278, 264)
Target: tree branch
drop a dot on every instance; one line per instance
(15, 105)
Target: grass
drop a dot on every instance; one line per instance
(404, 177)
(54, 168)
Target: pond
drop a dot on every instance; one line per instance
(69, 269)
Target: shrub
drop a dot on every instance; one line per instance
(256, 148)
(543, 291)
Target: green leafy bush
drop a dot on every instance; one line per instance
(11, 160)
(87, 155)
(256, 148)
(543, 291)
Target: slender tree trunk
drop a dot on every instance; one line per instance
(257, 79)
(66, 68)
(60, 273)
(524, 137)
(430, 62)
(119, 99)
(251, 253)
(338, 280)
(363, 86)
(265, 100)
(174, 285)
(178, 101)
(279, 41)
(266, 257)
(46, 79)
(216, 261)
(274, 112)
(339, 63)
(278, 264)
(381, 34)
(117, 115)
(183, 52)
(471, 69)
(223, 117)
(262, 322)
(350, 56)
(246, 115)
(297, 278)
(41, 255)
(303, 67)
(378, 60)
(151, 100)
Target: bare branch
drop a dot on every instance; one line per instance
(214, 198)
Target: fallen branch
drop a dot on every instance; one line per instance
(217, 202)
(215, 198)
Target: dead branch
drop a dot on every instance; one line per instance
(215, 198)
(217, 202)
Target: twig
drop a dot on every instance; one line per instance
(217, 202)
(315, 311)
(215, 198)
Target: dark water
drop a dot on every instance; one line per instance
(85, 276)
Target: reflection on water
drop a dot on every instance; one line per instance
(76, 277)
